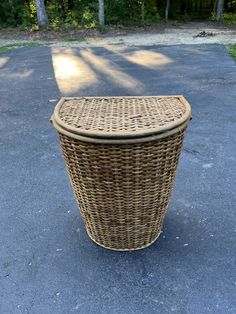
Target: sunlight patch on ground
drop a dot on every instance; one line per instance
(71, 73)
(3, 61)
(149, 59)
(20, 75)
(111, 70)
(66, 66)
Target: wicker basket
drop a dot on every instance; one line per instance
(121, 154)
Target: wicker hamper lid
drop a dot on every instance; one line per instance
(106, 119)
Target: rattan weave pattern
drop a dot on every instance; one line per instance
(121, 116)
(123, 190)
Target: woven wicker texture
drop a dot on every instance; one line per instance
(122, 116)
(122, 189)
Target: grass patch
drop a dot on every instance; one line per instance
(8, 48)
(232, 50)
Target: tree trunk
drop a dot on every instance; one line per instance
(219, 10)
(101, 12)
(142, 12)
(41, 14)
(167, 10)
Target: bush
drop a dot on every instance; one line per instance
(232, 50)
(229, 18)
(90, 16)
(68, 14)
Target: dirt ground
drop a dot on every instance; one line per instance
(160, 34)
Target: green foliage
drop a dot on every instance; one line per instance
(232, 51)
(229, 18)
(117, 12)
(18, 13)
(191, 10)
(68, 14)
(89, 17)
(212, 17)
(84, 14)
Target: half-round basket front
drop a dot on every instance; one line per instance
(122, 154)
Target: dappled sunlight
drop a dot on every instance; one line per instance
(14, 74)
(3, 61)
(17, 75)
(66, 66)
(71, 73)
(149, 59)
(112, 71)
(75, 72)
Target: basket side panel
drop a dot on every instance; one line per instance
(123, 190)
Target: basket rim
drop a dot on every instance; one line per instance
(119, 141)
(91, 136)
(124, 250)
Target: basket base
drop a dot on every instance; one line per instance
(134, 249)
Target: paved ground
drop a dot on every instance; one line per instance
(47, 262)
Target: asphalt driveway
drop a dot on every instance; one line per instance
(47, 263)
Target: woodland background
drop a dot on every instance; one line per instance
(67, 14)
